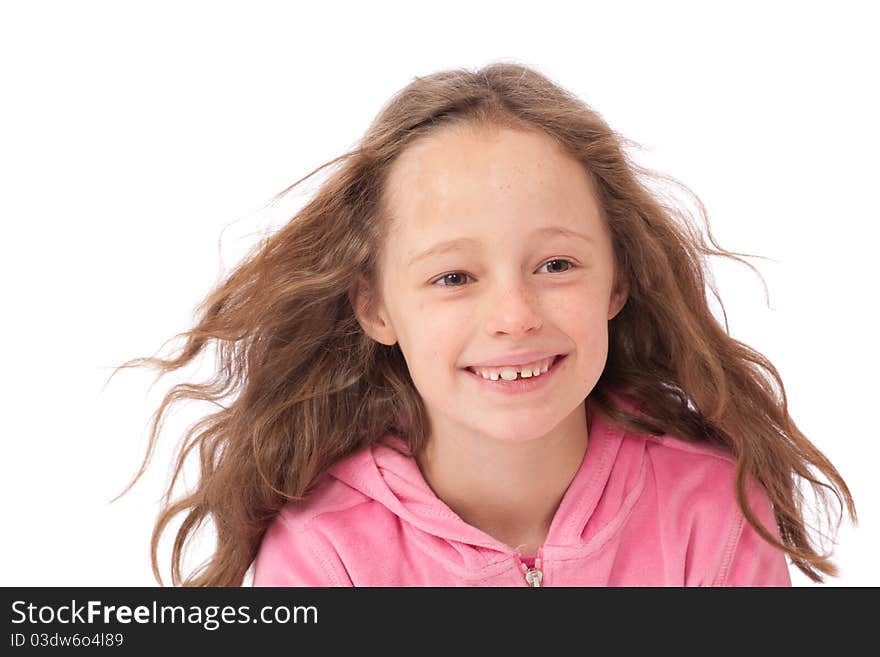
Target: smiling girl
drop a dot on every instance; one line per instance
(482, 355)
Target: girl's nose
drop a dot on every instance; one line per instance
(514, 309)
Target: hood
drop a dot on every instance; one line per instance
(604, 488)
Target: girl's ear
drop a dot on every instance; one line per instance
(370, 313)
(618, 299)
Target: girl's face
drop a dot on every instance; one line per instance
(511, 283)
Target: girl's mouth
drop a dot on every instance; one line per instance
(520, 385)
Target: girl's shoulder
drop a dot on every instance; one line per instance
(702, 476)
(701, 472)
(672, 447)
(301, 544)
(694, 487)
(342, 497)
(329, 497)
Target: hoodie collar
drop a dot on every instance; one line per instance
(601, 491)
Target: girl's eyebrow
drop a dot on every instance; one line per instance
(462, 242)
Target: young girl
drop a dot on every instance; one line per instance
(482, 355)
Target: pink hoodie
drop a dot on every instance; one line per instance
(641, 510)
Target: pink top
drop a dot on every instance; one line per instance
(641, 510)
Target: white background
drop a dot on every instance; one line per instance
(140, 142)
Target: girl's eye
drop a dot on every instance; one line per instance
(446, 277)
(459, 275)
(570, 264)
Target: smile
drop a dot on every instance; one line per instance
(507, 380)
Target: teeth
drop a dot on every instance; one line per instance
(510, 373)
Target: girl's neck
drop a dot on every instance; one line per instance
(510, 492)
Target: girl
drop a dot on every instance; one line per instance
(482, 354)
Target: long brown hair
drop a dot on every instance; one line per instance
(308, 387)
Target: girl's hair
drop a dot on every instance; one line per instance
(310, 387)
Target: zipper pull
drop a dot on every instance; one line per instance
(534, 577)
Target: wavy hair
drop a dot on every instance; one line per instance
(307, 387)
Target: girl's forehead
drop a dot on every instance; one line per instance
(464, 154)
(463, 177)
